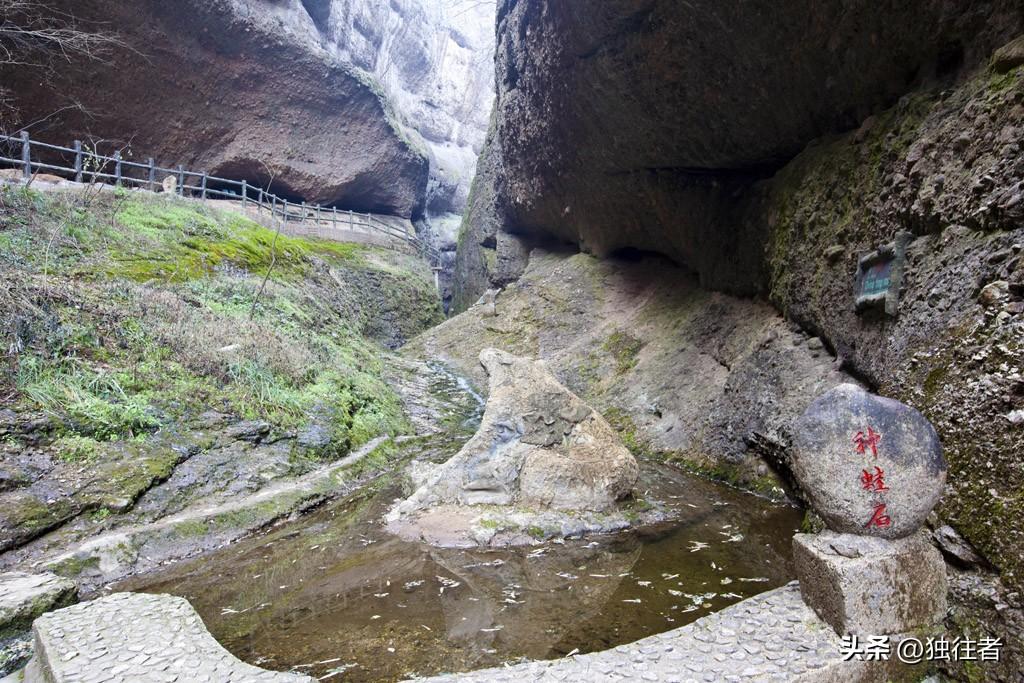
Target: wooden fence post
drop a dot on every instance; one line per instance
(151, 175)
(78, 161)
(334, 217)
(350, 225)
(26, 156)
(202, 184)
(303, 218)
(245, 190)
(318, 215)
(181, 180)
(117, 168)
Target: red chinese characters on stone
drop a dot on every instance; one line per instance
(865, 441)
(879, 518)
(873, 481)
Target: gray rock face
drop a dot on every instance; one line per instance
(867, 464)
(638, 124)
(871, 586)
(538, 446)
(23, 597)
(374, 106)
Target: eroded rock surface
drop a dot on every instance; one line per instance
(709, 379)
(645, 124)
(538, 446)
(372, 106)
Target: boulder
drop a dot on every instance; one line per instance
(539, 446)
(871, 586)
(867, 464)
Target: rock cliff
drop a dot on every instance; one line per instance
(641, 125)
(369, 106)
(767, 150)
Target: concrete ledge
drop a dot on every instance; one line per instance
(138, 638)
(871, 586)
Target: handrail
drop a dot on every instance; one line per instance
(89, 163)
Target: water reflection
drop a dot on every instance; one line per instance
(334, 593)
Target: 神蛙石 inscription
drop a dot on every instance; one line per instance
(867, 464)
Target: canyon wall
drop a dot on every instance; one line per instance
(766, 150)
(369, 106)
(640, 124)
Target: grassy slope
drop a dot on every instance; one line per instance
(124, 313)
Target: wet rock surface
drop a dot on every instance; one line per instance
(539, 446)
(23, 597)
(867, 464)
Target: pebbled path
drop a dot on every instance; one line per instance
(771, 637)
(138, 638)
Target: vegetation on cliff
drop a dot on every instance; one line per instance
(132, 314)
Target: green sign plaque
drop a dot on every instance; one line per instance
(880, 274)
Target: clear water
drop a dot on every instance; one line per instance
(333, 593)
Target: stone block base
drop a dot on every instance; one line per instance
(864, 585)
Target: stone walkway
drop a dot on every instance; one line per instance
(160, 639)
(771, 637)
(138, 638)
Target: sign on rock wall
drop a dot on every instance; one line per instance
(880, 275)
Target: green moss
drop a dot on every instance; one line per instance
(624, 347)
(73, 566)
(112, 360)
(621, 421)
(74, 448)
(192, 528)
(811, 523)
(818, 199)
(535, 532)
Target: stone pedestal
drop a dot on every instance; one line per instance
(870, 586)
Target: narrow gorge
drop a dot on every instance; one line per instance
(537, 343)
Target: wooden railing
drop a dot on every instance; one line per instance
(83, 164)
